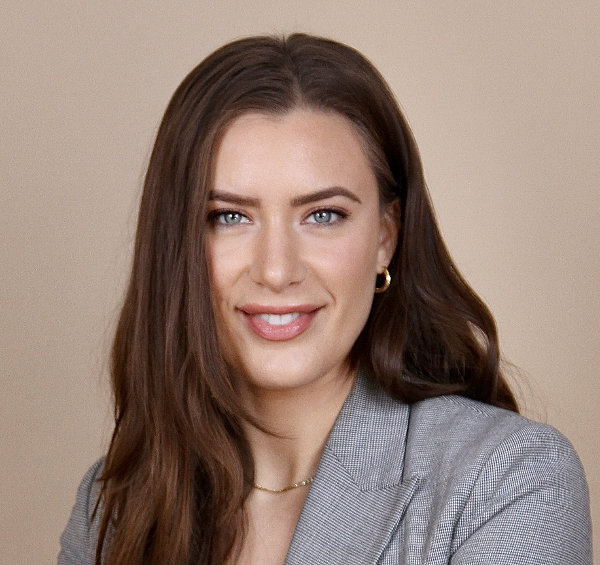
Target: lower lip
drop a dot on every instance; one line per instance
(280, 333)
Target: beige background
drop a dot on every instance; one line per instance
(503, 97)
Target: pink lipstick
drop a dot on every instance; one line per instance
(279, 323)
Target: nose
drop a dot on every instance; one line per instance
(277, 263)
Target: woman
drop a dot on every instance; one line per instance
(300, 372)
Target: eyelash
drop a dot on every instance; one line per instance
(214, 216)
(341, 215)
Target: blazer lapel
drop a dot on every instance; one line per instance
(359, 494)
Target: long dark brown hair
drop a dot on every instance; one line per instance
(179, 468)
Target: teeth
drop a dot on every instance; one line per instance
(279, 319)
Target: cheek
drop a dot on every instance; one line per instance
(224, 267)
(350, 266)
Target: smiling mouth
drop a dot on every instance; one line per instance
(277, 324)
(279, 319)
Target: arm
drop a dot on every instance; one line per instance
(529, 505)
(78, 541)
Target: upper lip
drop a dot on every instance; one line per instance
(255, 309)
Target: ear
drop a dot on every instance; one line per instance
(388, 234)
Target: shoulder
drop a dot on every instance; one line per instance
(496, 476)
(440, 438)
(78, 541)
(474, 430)
(452, 436)
(476, 483)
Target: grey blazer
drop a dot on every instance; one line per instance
(444, 481)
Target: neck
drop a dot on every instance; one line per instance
(299, 420)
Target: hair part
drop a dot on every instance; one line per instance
(179, 468)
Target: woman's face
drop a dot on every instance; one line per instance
(295, 242)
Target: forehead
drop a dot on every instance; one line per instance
(302, 148)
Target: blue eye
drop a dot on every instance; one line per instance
(326, 216)
(231, 218)
(322, 216)
(228, 218)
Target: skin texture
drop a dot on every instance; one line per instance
(278, 255)
(296, 227)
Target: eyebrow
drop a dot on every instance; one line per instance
(298, 201)
(323, 194)
(232, 198)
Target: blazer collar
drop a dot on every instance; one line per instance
(359, 494)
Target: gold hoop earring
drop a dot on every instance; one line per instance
(386, 284)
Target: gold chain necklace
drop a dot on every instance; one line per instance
(291, 487)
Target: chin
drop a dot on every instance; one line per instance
(286, 376)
